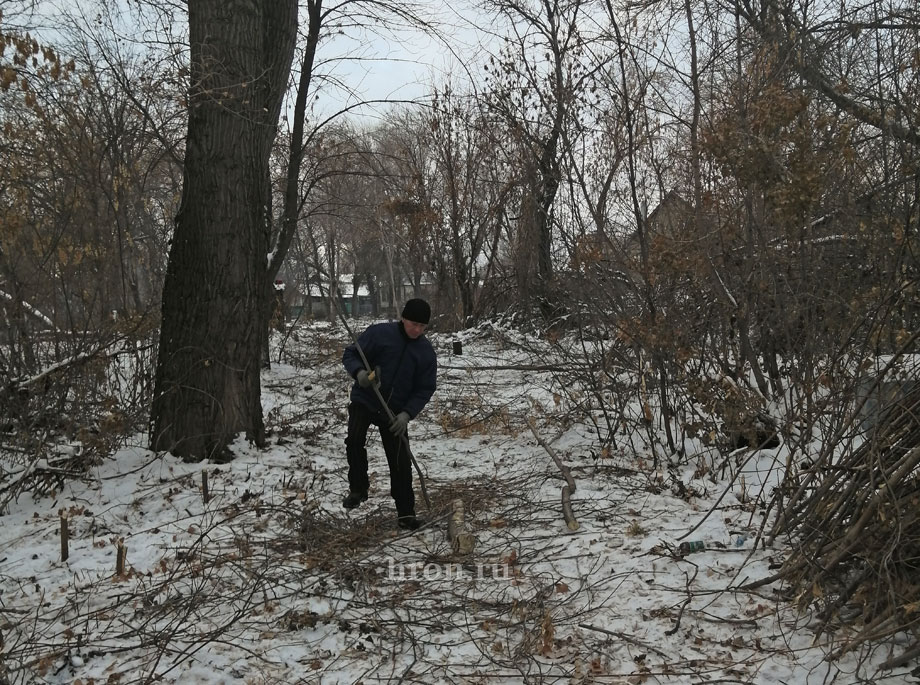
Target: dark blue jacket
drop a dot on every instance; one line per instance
(408, 368)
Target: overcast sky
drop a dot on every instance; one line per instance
(402, 65)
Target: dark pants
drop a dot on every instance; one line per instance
(359, 420)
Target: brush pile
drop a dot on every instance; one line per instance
(855, 523)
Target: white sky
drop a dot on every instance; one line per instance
(400, 64)
(406, 64)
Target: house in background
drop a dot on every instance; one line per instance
(672, 217)
(671, 220)
(312, 300)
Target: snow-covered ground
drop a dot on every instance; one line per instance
(270, 580)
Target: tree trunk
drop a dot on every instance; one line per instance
(525, 257)
(291, 203)
(215, 293)
(374, 294)
(355, 295)
(465, 288)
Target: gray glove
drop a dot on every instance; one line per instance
(398, 427)
(365, 380)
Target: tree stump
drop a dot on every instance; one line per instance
(461, 540)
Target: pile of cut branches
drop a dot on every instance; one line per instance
(77, 400)
(855, 522)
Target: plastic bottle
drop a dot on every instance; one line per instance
(686, 548)
(743, 540)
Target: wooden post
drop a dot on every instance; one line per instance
(121, 554)
(204, 487)
(461, 540)
(65, 537)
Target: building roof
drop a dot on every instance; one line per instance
(345, 286)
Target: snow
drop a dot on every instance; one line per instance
(272, 581)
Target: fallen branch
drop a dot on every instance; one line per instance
(32, 311)
(625, 637)
(102, 351)
(901, 659)
(568, 488)
(552, 368)
(566, 473)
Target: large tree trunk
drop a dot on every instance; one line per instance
(215, 293)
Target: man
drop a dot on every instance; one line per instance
(404, 369)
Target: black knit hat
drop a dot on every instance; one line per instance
(417, 310)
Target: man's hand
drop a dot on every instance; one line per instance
(400, 422)
(365, 380)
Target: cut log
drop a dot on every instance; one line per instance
(461, 540)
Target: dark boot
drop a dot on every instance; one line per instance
(410, 522)
(354, 499)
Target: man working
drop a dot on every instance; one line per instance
(404, 368)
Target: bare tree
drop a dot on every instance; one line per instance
(535, 87)
(215, 294)
(471, 195)
(876, 82)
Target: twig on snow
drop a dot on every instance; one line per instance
(624, 637)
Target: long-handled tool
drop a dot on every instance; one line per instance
(383, 403)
